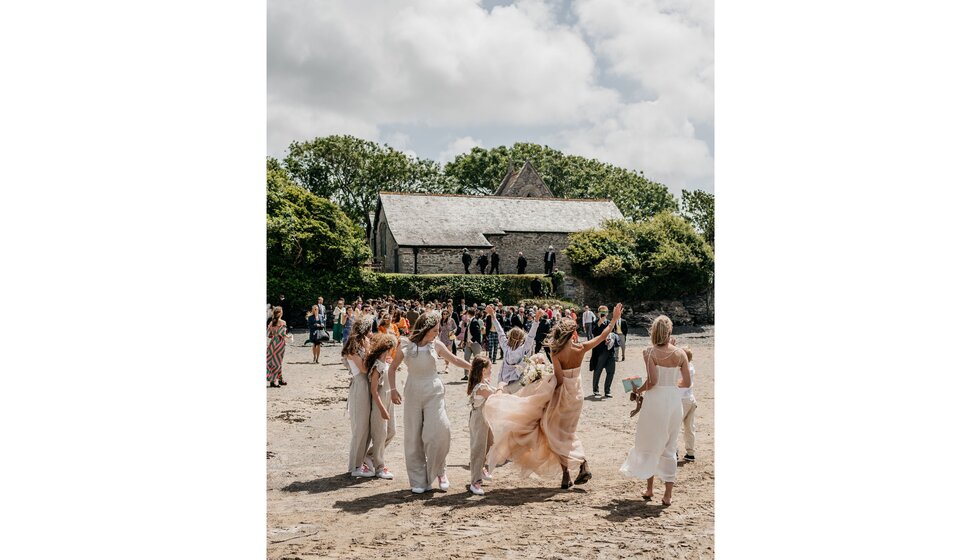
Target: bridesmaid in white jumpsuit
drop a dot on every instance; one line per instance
(426, 421)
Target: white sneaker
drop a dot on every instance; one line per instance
(363, 472)
(476, 490)
(443, 482)
(385, 474)
(487, 475)
(420, 490)
(597, 395)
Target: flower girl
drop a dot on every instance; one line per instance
(382, 412)
(479, 391)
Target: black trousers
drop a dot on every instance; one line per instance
(520, 270)
(605, 362)
(549, 267)
(493, 267)
(466, 267)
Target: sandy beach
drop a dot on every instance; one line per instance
(317, 510)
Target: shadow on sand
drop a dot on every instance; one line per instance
(327, 484)
(633, 508)
(504, 496)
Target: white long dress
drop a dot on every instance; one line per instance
(659, 423)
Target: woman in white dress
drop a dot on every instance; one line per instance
(655, 450)
(426, 421)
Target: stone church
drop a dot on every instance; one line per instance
(426, 233)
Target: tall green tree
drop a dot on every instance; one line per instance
(311, 244)
(481, 170)
(351, 172)
(698, 207)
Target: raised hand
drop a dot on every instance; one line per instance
(617, 312)
(539, 314)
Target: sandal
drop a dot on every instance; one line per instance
(583, 477)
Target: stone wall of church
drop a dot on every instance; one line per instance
(439, 260)
(534, 246)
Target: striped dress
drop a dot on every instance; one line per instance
(275, 352)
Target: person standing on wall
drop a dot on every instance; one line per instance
(494, 261)
(467, 259)
(482, 262)
(521, 263)
(549, 260)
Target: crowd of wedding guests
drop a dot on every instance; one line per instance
(379, 335)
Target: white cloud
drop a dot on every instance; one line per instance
(458, 146)
(431, 62)
(647, 136)
(503, 73)
(667, 49)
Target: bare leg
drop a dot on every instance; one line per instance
(668, 490)
(649, 493)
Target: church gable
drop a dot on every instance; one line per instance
(524, 183)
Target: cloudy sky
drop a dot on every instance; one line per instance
(630, 82)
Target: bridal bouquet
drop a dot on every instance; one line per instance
(535, 368)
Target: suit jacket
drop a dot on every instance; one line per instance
(482, 261)
(467, 258)
(521, 262)
(494, 258)
(549, 257)
(600, 350)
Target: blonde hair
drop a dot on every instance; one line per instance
(560, 335)
(690, 354)
(276, 314)
(660, 330)
(515, 337)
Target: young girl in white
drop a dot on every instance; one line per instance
(479, 391)
(359, 398)
(382, 412)
(690, 405)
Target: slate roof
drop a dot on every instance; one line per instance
(419, 220)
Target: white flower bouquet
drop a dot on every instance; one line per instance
(535, 368)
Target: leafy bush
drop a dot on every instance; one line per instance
(657, 258)
(551, 303)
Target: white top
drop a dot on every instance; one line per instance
(588, 317)
(513, 357)
(382, 367)
(688, 393)
(477, 401)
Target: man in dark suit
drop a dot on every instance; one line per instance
(544, 325)
(494, 261)
(536, 287)
(467, 259)
(482, 262)
(549, 260)
(521, 263)
(603, 357)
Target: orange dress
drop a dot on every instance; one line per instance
(536, 427)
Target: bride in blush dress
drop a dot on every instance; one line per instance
(536, 428)
(655, 451)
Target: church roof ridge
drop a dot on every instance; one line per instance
(498, 197)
